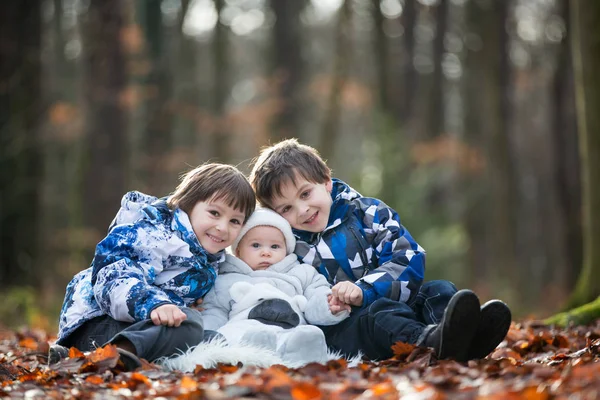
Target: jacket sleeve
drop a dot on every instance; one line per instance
(399, 260)
(316, 289)
(123, 271)
(216, 311)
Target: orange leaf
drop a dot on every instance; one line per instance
(29, 343)
(382, 389)
(94, 379)
(75, 353)
(305, 391)
(402, 349)
(228, 369)
(188, 383)
(103, 353)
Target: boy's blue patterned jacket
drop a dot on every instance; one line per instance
(364, 242)
(150, 257)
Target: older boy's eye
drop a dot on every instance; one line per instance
(285, 209)
(214, 213)
(305, 194)
(236, 222)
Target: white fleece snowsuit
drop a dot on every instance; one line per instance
(271, 308)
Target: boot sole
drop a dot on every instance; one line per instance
(462, 314)
(493, 327)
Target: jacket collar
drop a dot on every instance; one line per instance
(181, 224)
(234, 264)
(341, 198)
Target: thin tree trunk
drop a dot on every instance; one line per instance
(220, 48)
(20, 156)
(287, 65)
(586, 60)
(105, 166)
(566, 156)
(410, 83)
(489, 194)
(330, 131)
(437, 115)
(157, 136)
(381, 58)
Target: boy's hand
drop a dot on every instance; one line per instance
(168, 314)
(347, 292)
(336, 306)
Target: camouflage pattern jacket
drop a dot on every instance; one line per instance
(364, 242)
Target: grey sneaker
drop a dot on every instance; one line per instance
(57, 353)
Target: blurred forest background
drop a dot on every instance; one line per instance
(460, 114)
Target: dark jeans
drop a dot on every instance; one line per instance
(374, 329)
(151, 341)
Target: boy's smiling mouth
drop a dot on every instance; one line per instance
(215, 239)
(312, 218)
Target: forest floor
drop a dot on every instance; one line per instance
(535, 362)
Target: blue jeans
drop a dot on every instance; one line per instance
(151, 341)
(373, 330)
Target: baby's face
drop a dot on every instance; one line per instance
(262, 247)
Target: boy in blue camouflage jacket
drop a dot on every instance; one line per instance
(160, 256)
(375, 266)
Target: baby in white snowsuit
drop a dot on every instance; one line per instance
(264, 297)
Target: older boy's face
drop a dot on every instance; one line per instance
(305, 205)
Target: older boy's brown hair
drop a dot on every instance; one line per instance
(283, 162)
(214, 182)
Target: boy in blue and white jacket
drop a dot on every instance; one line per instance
(159, 257)
(377, 268)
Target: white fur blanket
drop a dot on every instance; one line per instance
(209, 354)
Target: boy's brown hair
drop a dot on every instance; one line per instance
(214, 182)
(280, 163)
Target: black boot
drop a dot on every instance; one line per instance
(493, 326)
(452, 337)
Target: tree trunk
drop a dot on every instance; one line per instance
(105, 167)
(489, 194)
(586, 61)
(287, 65)
(566, 157)
(157, 135)
(20, 156)
(330, 131)
(220, 47)
(380, 41)
(409, 81)
(436, 114)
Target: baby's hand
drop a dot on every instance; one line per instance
(168, 314)
(347, 292)
(336, 306)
